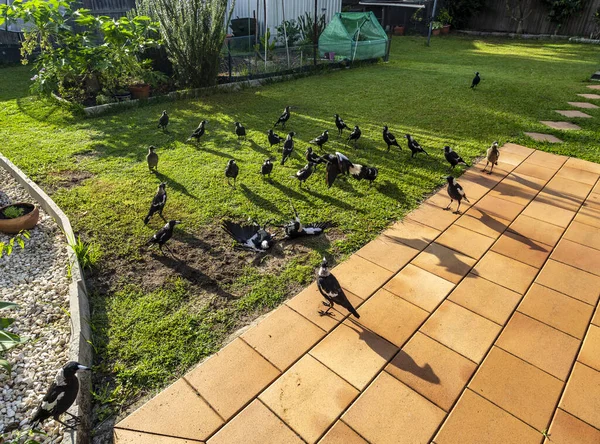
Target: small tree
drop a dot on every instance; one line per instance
(518, 11)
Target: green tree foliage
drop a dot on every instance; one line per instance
(462, 10)
(559, 11)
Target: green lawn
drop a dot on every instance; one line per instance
(154, 317)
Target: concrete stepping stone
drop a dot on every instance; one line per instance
(593, 86)
(589, 96)
(560, 125)
(540, 137)
(572, 113)
(584, 105)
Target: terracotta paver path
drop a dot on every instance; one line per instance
(475, 328)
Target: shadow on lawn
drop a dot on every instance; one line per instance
(259, 201)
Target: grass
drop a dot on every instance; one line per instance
(154, 317)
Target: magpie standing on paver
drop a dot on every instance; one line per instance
(492, 155)
(456, 193)
(288, 147)
(332, 291)
(295, 229)
(285, 116)
(161, 237)
(414, 146)
(250, 237)
(339, 123)
(274, 139)
(198, 132)
(354, 135)
(476, 80)
(389, 138)
(452, 157)
(158, 203)
(240, 131)
(231, 171)
(305, 172)
(321, 140)
(163, 121)
(266, 168)
(152, 159)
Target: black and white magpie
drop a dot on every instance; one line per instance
(198, 132)
(274, 139)
(389, 138)
(61, 395)
(231, 171)
(354, 135)
(360, 172)
(152, 159)
(295, 228)
(163, 121)
(305, 172)
(492, 156)
(337, 164)
(339, 123)
(288, 147)
(266, 168)
(476, 80)
(332, 291)
(283, 118)
(250, 237)
(321, 140)
(456, 193)
(452, 157)
(158, 203)
(414, 146)
(240, 131)
(161, 237)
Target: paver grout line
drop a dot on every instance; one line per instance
(354, 430)
(281, 419)
(564, 294)
(574, 416)
(203, 399)
(551, 326)
(563, 381)
(157, 434)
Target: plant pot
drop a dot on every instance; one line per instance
(25, 222)
(446, 29)
(123, 96)
(140, 91)
(435, 31)
(398, 30)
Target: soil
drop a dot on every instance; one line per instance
(65, 179)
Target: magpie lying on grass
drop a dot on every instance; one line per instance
(266, 168)
(288, 147)
(158, 203)
(285, 116)
(161, 237)
(274, 139)
(60, 396)
(295, 229)
(305, 172)
(249, 237)
(476, 80)
(198, 132)
(414, 146)
(340, 125)
(240, 131)
(332, 291)
(321, 140)
(389, 138)
(354, 135)
(231, 171)
(152, 159)
(492, 155)
(456, 193)
(163, 121)
(452, 157)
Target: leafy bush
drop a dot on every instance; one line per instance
(19, 239)
(292, 30)
(307, 27)
(559, 11)
(444, 16)
(462, 10)
(7, 340)
(13, 212)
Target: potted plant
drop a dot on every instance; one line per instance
(445, 17)
(17, 217)
(436, 27)
(399, 30)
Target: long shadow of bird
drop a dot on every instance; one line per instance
(289, 192)
(259, 149)
(405, 362)
(259, 200)
(173, 184)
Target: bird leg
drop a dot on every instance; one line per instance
(491, 169)
(448, 207)
(68, 426)
(163, 217)
(486, 165)
(457, 208)
(326, 312)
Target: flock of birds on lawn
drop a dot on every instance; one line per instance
(63, 391)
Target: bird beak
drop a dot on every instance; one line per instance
(83, 368)
(178, 222)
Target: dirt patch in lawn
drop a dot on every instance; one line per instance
(65, 179)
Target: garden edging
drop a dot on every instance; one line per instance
(80, 348)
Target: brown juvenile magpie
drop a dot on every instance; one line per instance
(321, 140)
(240, 131)
(285, 116)
(198, 132)
(163, 121)
(414, 146)
(274, 139)
(249, 237)
(456, 193)
(158, 203)
(295, 229)
(332, 291)
(492, 155)
(288, 147)
(389, 138)
(354, 135)
(452, 157)
(231, 171)
(152, 159)
(266, 168)
(161, 237)
(339, 123)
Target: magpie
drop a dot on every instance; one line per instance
(414, 146)
(60, 396)
(240, 131)
(354, 135)
(158, 203)
(389, 138)
(305, 172)
(274, 139)
(152, 159)
(456, 193)
(283, 118)
(321, 140)
(339, 123)
(266, 168)
(452, 157)
(198, 132)
(313, 157)
(231, 171)
(332, 291)
(360, 172)
(337, 164)
(492, 156)
(161, 237)
(250, 237)
(476, 80)
(295, 229)
(163, 121)
(288, 147)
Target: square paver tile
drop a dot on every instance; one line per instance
(571, 281)
(573, 113)
(340, 433)
(577, 175)
(391, 317)
(465, 241)
(536, 230)
(559, 201)
(569, 188)
(222, 383)
(549, 213)
(585, 105)
(541, 137)
(390, 412)
(518, 387)
(499, 207)
(476, 420)
(511, 190)
(577, 255)
(566, 429)
(444, 262)
(584, 165)
(461, 330)
(596, 318)
(360, 276)
(536, 171)
(547, 160)
(556, 309)
(309, 397)
(354, 352)
(256, 424)
(522, 249)
(483, 223)
(432, 216)
(283, 336)
(560, 125)
(590, 352)
(422, 288)
(499, 171)
(177, 411)
(432, 369)
(387, 254)
(131, 437)
(505, 271)
(589, 214)
(412, 233)
(517, 149)
(485, 298)
(542, 346)
(582, 395)
(589, 96)
(474, 175)
(584, 234)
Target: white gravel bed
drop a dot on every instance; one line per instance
(36, 278)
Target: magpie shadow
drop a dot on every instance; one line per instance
(172, 183)
(405, 362)
(289, 192)
(258, 200)
(215, 152)
(390, 189)
(194, 242)
(259, 149)
(335, 202)
(515, 235)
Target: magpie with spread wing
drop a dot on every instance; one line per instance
(295, 229)
(389, 138)
(340, 125)
(285, 116)
(249, 237)
(163, 121)
(158, 203)
(198, 132)
(288, 147)
(162, 236)
(321, 140)
(332, 291)
(337, 164)
(414, 146)
(274, 139)
(456, 193)
(452, 157)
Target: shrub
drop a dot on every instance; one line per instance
(559, 11)
(462, 10)
(13, 212)
(88, 254)
(19, 239)
(7, 340)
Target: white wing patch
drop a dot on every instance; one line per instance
(60, 378)
(48, 406)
